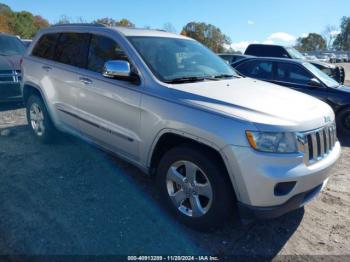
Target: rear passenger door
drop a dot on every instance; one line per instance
(110, 108)
(70, 57)
(297, 77)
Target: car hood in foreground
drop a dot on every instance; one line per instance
(10, 62)
(270, 107)
(343, 88)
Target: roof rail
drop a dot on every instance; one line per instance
(80, 24)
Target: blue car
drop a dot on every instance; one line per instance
(11, 52)
(304, 77)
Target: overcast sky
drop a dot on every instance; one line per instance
(263, 21)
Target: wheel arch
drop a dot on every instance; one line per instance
(168, 139)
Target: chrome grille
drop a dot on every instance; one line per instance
(10, 76)
(317, 144)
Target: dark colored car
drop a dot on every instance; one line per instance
(232, 58)
(261, 50)
(302, 76)
(26, 42)
(11, 52)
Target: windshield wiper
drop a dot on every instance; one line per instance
(188, 79)
(225, 76)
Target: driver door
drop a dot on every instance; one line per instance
(110, 108)
(296, 77)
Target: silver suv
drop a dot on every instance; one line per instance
(167, 104)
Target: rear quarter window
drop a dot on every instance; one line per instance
(45, 47)
(72, 49)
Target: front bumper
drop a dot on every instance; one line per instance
(10, 92)
(255, 176)
(248, 212)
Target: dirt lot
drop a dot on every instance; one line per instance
(70, 198)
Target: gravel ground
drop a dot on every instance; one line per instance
(70, 198)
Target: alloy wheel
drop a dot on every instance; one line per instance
(189, 188)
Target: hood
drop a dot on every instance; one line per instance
(10, 62)
(270, 107)
(323, 64)
(344, 88)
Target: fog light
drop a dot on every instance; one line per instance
(284, 188)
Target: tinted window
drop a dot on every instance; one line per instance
(266, 51)
(10, 45)
(292, 73)
(72, 49)
(103, 49)
(256, 69)
(227, 58)
(46, 46)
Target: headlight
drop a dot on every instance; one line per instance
(273, 142)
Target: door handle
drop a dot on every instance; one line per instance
(46, 68)
(85, 81)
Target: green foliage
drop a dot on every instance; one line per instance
(112, 22)
(207, 34)
(23, 24)
(342, 41)
(311, 42)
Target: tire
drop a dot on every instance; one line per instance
(214, 209)
(343, 121)
(39, 120)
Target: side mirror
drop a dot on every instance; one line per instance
(116, 68)
(314, 82)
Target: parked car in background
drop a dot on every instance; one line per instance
(332, 57)
(339, 58)
(11, 52)
(231, 58)
(304, 77)
(344, 58)
(311, 58)
(26, 42)
(336, 72)
(172, 107)
(323, 58)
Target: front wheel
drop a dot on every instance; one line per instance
(195, 188)
(39, 120)
(343, 121)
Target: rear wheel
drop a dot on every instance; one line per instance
(195, 188)
(39, 119)
(343, 121)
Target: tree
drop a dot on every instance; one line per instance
(329, 34)
(40, 22)
(24, 25)
(342, 41)
(5, 9)
(126, 23)
(311, 42)
(64, 20)
(207, 34)
(110, 22)
(7, 21)
(169, 28)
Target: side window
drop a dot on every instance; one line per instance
(256, 69)
(72, 49)
(45, 47)
(291, 73)
(103, 49)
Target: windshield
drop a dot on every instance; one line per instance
(173, 59)
(295, 53)
(327, 80)
(10, 45)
